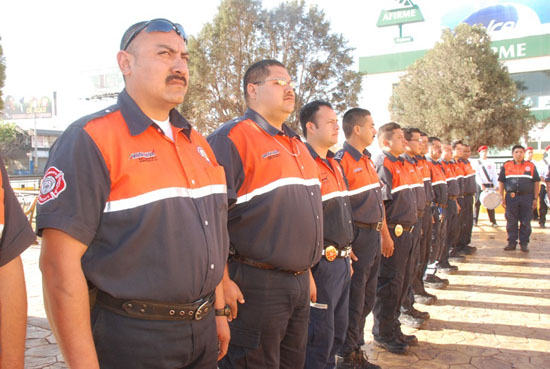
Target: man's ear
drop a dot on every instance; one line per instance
(310, 125)
(252, 91)
(123, 59)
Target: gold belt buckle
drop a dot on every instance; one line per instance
(331, 253)
(512, 194)
(398, 230)
(202, 310)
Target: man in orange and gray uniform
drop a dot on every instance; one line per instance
(134, 204)
(467, 213)
(370, 231)
(328, 317)
(275, 224)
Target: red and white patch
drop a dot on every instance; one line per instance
(52, 185)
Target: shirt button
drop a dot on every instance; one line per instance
(206, 222)
(349, 221)
(192, 181)
(345, 204)
(211, 266)
(302, 167)
(312, 194)
(317, 216)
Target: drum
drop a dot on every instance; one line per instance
(547, 200)
(490, 198)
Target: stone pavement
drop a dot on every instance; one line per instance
(495, 314)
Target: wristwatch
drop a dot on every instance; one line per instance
(226, 311)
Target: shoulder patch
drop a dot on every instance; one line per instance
(52, 185)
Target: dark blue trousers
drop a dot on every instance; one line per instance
(391, 279)
(366, 247)
(328, 317)
(407, 296)
(124, 342)
(417, 283)
(270, 331)
(466, 221)
(519, 209)
(449, 230)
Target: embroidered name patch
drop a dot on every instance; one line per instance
(143, 156)
(270, 154)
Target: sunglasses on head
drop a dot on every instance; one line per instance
(157, 25)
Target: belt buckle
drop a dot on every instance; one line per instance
(378, 226)
(331, 253)
(398, 230)
(202, 310)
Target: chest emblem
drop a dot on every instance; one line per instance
(202, 153)
(271, 154)
(143, 156)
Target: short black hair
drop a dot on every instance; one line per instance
(408, 132)
(385, 132)
(423, 134)
(129, 33)
(352, 118)
(257, 72)
(518, 147)
(432, 139)
(454, 143)
(308, 112)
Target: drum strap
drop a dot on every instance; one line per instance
(485, 171)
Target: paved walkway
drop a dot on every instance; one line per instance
(495, 314)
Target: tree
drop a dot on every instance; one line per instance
(242, 33)
(14, 142)
(2, 75)
(459, 90)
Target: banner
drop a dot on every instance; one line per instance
(28, 107)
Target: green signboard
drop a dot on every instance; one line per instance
(399, 16)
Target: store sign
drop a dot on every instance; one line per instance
(409, 14)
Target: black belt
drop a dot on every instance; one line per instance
(452, 197)
(469, 194)
(420, 213)
(375, 226)
(405, 228)
(264, 266)
(154, 310)
(331, 252)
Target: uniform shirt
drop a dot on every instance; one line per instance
(422, 165)
(450, 177)
(469, 177)
(276, 214)
(364, 185)
(439, 182)
(543, 169)
(399, 198)
(417, 182)
(483, 178)
(459, 174)
(519, 177)
(16, 233)
(153, 212)
(337, 220)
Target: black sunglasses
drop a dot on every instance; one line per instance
(157, 25)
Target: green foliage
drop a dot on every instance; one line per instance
(2, 75)
(242, 33)
(459, 90)
(14, 143)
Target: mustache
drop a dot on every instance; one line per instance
(175, 76)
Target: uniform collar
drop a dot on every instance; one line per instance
(138, 122)
(355, 154)
(409, 158)
(264, 124)
(314, 154)
(392, 158)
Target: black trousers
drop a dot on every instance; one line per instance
(391, 278)
(366, 247)
(519, 209)
(123, 342)
(270, 331)
(407, 297)
(424, 252)
(328, 319)
(543, 208)
(436, 243)
(490, 212)
(449, 231)
(466, 221)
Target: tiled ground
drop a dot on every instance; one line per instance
(495, 314)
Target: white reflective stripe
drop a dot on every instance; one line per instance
(162, 194)
(519, 176)
(450, 179)
(334, 194)
(276, 184)
(1, 230)
(414, 185)
(469, 175)
(460, 176)
(438, 183)
(363, 189)
(397, 189)
(427, 179)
